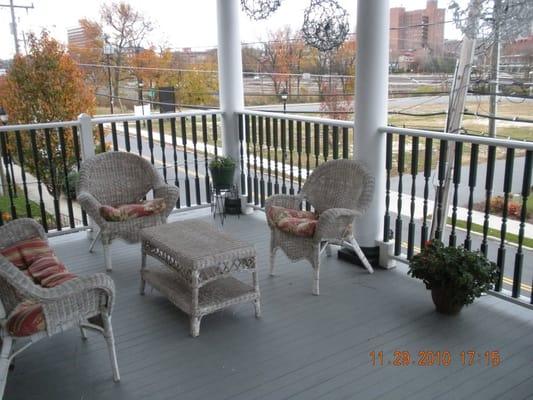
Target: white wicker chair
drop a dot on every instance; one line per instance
(116, 178)
(85, 302)
(338, 190)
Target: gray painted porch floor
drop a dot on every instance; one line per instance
(304, 347)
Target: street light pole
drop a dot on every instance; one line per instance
(108, 51)
(284, 96)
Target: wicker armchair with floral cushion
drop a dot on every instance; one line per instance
(111, 190)
(39, 297)
(338, 191)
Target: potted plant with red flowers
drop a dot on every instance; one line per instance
(455, 275)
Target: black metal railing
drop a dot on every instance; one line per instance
(39, 162)
(278, 151)
(178, 144)
(489, 188)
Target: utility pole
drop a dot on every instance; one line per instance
(495, 66)
(14, 22)
(454, 120)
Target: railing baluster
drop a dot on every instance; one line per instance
(345, 144)
(291, 159)
(414, 172)
(162, 144)
(261, 167)
(276, 146)
(254, 143)
(457, 165)
(195, 155)
(101, 137)
(241, 145)
(51, 167)
(20, 154)
(519, 257)
(317, 143)
(474, 152)
(150, 140)
(139, 137)
(428, 155)
(76, 144)
(63, 149)
(388, 168)
(335, 139)
(325, 142)
(114, 136)
(399, 223)
(489, 182)
(10, 185)
(507, 188)
(206, 159)
(299, 152)
(35, 153)
(269, 145)
(284, 155)
(214, 127)
(248, 133)
(12, 172)
(443, 155)
(186, 164)
(126, 128)
(175, 154)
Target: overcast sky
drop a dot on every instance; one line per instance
(179, 23)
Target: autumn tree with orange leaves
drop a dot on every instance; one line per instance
(44, 86)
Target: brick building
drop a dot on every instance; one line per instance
(417, 30)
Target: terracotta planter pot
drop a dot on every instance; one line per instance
(441, 299)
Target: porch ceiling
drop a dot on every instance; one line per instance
(304, 347)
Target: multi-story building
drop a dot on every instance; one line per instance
(77, 38)
(417, 30)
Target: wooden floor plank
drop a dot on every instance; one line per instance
(303, 347)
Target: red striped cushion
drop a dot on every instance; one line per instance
(26, 319)
(33, 248)
(13, 254)
(45, 266)
(126, 212)
(57, 279)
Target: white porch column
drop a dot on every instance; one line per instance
(230, 79)
(371, 101)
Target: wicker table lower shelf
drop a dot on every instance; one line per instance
(212, 297)
(198, 264)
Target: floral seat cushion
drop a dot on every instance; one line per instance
(39, 263)
(126, 212)
(297, 222)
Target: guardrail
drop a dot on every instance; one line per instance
(491, 177)
(278, 151)
(40, 161)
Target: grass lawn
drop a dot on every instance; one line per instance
(510, 237)
(20, 206)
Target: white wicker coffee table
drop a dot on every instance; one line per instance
(198, 262)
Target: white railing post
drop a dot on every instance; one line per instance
(230, 76)
(87, 151)
(86, 136)
(371, 98)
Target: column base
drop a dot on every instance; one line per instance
(371, 253)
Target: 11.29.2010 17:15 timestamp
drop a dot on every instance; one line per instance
(439, 358)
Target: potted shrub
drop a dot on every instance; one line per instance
(454, 275)
(222, 169)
